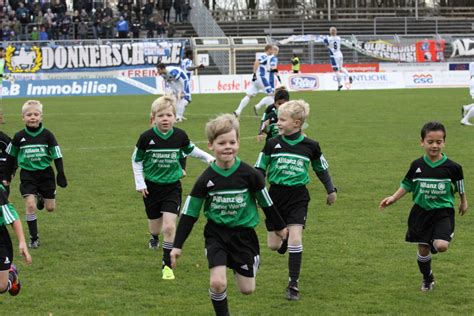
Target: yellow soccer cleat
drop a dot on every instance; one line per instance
(168, 273)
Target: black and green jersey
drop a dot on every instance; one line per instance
(229, 195)
(34, 149)
(271, 115)
(288, 161)
(160, 154)
(8, 214)
(433, 184)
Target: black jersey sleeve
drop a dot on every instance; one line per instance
(457, 177)
(407, 182)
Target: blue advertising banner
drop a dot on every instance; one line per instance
(76, 57)
(82, 87)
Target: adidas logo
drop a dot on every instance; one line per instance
(418, 170)
(245, 267)
(210, 184)
(277, 146)
(7, 260)
(23, 139)
(151, 142)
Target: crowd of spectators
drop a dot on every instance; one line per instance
(45, 20)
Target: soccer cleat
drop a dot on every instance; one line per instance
(339, 88)
(179, 119)
(34, 243)
(462, 112)
(466, 122)
(154, 243)
(428, 284)
(39, 202)
(283, 247)
(167, 273)
(350, 79)
(255, 110)
(16, 284)
(292, 293)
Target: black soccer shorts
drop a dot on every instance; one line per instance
(38, 182)
(236, 248)
(291, 202)
(6, 249)
(426, 226)
(162, 198)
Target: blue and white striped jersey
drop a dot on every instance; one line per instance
(185, 64)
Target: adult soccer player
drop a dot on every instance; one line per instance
(260, 82)
(467, 111)
(187, 64)
(272, 73)
(178, 82)
(333, 43)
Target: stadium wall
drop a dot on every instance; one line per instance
(139, 85)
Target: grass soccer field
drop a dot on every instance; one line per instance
(94, 258)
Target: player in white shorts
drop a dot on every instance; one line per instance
(260, 82)
(467, 111)
(333, 43)
(272, 73)
(177, 82)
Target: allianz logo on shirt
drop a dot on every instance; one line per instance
(284, 160)
(440, 186)
(233, 199)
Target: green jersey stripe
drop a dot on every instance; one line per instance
(267, 197)
(33, 146)
(163, 150)
(431, 180)
(212, 193)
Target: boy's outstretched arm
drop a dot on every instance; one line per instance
(463, 206)
(393, 198)
(185, 226)
(331, 190)
(18, 229)
(61, 177)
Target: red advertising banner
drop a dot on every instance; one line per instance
(312, 68)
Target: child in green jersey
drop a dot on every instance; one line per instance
(433, 179)
(228, 190)
(33, 149)
(270, 117)
(158, 167)
(8, 272)
(287, 159)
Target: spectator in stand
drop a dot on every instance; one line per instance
(150, 28)
(186, 8)
(167, 4)
(160, 30)
(136, 29)
(59, 8)
(76, 18)
(82, 30)
(34, 35)
(64, 27)
(122, 27)
(108, 11)
(39, 18)
(43, 35)
(178, 10)
(108, 27)
(171, 30)
(147, 10)
(16, 29)
(23, 15)
(97, 16)
(84, 16)
(127, 14)
(54, 31)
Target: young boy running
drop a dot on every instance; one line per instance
(33, 149)
(228, 190)
(158, 170)
(8, 273)
(433, 179)
(288, 158)
(269, 119)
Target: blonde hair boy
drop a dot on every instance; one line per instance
(32, 105)
(296, 109)
(222, 125)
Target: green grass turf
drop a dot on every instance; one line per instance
(94, 259)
